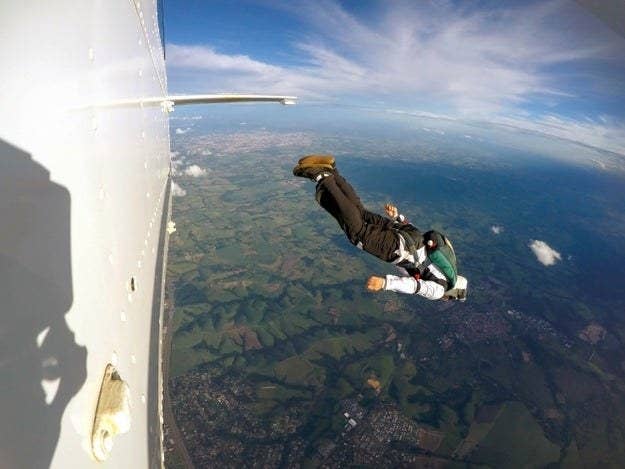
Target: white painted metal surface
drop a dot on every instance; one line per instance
(73, 239)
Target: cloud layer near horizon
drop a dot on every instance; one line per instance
(545, 254)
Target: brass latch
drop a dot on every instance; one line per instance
(112, 416)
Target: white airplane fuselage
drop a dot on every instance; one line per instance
(83, 200)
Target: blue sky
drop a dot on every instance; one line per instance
(547, 66)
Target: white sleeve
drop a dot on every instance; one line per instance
(424, 288)
(430, 290)
(400, 284)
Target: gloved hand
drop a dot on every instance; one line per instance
(375, 283)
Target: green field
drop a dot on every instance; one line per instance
(513, 440)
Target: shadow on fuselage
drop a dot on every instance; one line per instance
(41, 366)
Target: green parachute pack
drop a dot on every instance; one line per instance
(441, 253)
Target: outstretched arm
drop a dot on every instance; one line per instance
(427, 289)
(376, 219)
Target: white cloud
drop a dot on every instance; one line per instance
(207, 58)
(605, 134)
(544, 253)
(194, 171)
(496, 229)
(602, 134)
(180, 131)
(473, 60)
(177, 191)
(463, 61)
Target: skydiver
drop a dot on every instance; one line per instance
(426, 260)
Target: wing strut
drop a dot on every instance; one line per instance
(230, 98)
(167, 103)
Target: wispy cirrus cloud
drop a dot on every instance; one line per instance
(206, 58)
(438, 58)
(601, 132)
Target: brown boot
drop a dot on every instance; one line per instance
(312, 171)
(311, 160)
